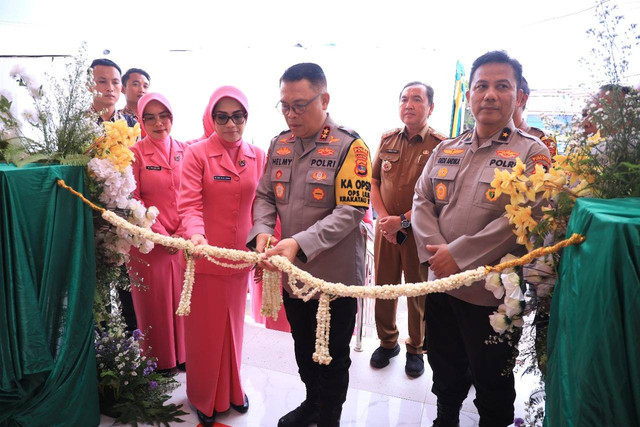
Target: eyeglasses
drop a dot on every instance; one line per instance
(150, 119)
(223, 118)
(297, 107)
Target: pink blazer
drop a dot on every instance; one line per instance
(216, 196)
(158, 182)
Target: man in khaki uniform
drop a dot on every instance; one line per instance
(396, 167)
(317, 180)
(459, 226)
(521, 122)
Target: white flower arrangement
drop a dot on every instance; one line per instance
(507, 284)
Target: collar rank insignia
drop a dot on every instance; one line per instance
(324, 135)
(504, 135)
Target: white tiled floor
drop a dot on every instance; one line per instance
(386, 397)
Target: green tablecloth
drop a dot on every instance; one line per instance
(47, 274)
(593, 373)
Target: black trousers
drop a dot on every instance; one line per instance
(457, 353)
(128, 312)
(326, 384)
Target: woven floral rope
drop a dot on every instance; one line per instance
(272, 299)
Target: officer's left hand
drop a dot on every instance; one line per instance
(442, 263)
(288, 248)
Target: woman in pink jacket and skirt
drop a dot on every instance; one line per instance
(219, 179)
(156, 169)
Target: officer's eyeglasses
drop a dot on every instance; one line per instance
(222, 118)
(150, 119)
(297, 107)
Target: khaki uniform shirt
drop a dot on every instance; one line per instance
(547, 139)
(451, 204)
(320, 191)
(399, 163)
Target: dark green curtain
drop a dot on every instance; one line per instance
(593, 373)
(47, 269)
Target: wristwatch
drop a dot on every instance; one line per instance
(404, 221)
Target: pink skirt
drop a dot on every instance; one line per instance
(161, 276)
(213, 337)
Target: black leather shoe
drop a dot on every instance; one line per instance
(205, 420)
(415, 365)
(380, 357)
(302, 416)
(242, 408)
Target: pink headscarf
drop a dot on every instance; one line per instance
(218, 94)
(163, 144)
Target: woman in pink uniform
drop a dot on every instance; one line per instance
(156, 168)
(207, 121)
(219, 179)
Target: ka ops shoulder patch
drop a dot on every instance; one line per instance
(353, 180)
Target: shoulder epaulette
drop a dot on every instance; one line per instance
(284, 131)
(467, 134)
(391, 132)
(349, 132)
(542, 133)
(439, 136)
(526, 135)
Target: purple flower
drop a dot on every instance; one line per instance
(518, 422)
(137, 334)
(153, 385)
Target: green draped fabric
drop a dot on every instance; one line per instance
(593, 373)
(47, 274)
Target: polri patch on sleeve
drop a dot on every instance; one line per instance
(154, 168)
(353, 180)
(221, 178)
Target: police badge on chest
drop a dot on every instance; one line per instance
(386, 165)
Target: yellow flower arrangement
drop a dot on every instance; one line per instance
(116, 142)
(563, 176)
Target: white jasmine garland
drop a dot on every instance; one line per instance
(507, 317)
(271, 296)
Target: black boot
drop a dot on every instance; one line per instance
(305, 414)
(448, 416)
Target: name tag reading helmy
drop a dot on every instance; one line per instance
(221, 178)
(154, 168)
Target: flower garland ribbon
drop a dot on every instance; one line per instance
(311, 285)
